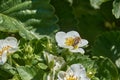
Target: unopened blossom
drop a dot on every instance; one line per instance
(74, 72)
(7, 46)
(71, 40)
(58, 62)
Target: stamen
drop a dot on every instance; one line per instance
(4, 49)
(69, 41)
(71, 77)
(72, 41)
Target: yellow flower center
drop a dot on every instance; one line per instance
(70, 41)
(4, 49)
(71, 77)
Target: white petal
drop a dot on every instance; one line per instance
(77, 50)
(77, 69)
(59, 62)
(11, 41)
(61, 75)
(60, 38)
(72, 34)
(82, 43)
(3, 58)
(51, 76)
(68, 47)
(84, 78)
(48, 57)
(2, 44)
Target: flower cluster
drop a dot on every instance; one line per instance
(74, 72)
(70, 40)
(74, 43)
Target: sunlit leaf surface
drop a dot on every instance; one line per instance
(31, 18)
(96, 3)
(116, 8)
(108, 45)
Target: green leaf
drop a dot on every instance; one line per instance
(15, 77)
(88, 19)
(26, 72)
(108, 45)
(9, 24)
(10, 69)
(39, 45)
(5, 74)
(116, 8)
(42, 65)
(70, 1)
(117, 62)
(75, 58)
(40, 75)
(96, 3)
(64, 11)
(32, 19)
(106, 69)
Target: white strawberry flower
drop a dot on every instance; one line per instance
(74, 72)
(71, 40)
(7, 46)
(58, 61)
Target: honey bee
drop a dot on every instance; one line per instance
(76, 41)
